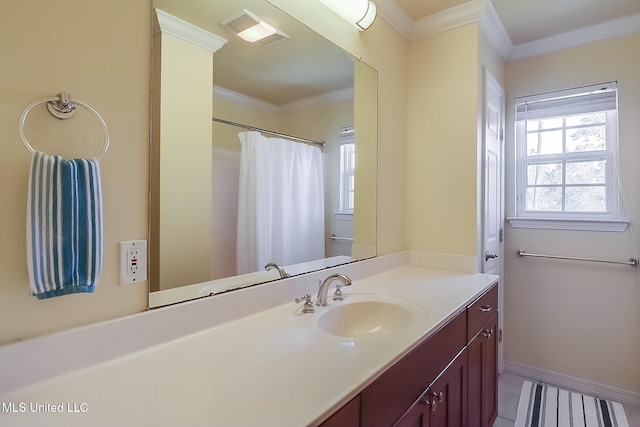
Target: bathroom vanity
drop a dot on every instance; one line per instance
(252, 358)
(450, 379)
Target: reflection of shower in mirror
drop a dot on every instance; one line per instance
(303, 86)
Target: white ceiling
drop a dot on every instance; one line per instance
(302, 67)
(517, 28)
(525, 21)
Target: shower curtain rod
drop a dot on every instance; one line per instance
(282, 135)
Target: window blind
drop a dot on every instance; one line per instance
(346, 135)
(583, 100)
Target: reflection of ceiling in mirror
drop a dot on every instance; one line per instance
(303, 66)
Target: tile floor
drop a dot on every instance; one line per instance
(509, 386)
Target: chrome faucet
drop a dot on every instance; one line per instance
(273, 265)
(324, 287)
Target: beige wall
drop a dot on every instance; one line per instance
(185, 145)
(366, 140)
(100, 53)
(226, 136)
(442, 177)
(319, 123)
(579, 319)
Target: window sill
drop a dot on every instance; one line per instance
(570, 224)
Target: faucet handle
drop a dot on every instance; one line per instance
(308, 304)
(338, 295)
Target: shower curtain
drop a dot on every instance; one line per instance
(281, 203)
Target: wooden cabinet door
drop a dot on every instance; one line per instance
(394, 392)
(347, 416)
(418, 413)
(482, 382)
(448, 407)
(475, 359)
(444, 403)
(490, 375)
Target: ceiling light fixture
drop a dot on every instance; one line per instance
(360, 13)
(251, 28)
(258, 32)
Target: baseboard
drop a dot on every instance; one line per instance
(572, 383)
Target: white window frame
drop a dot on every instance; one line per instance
(562, 104)
(347, 140)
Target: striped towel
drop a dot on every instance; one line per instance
(64, 226)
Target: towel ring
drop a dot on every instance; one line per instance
(63, 108)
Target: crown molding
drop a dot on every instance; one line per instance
(483, 12)
(492, 27)
(188, 32)
(247, 101)
(395, 16)
(594, 33)
(314, 101)
(448, 19)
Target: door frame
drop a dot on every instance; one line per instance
(491, 84)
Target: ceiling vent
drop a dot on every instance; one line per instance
(274, 38)
(240, 21)
(251, 28)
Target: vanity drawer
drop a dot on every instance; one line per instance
(481, 311)
(387, 398)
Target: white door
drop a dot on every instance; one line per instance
(493, 223)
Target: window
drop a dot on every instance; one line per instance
(347, 169)
(566, 154)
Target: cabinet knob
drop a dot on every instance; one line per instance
(435, 399)
(433, 403)
(485, 308)
(487, 333)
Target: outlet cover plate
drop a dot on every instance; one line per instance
(133, 261)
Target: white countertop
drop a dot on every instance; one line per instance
(271, 368)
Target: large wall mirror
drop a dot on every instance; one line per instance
(217, 102)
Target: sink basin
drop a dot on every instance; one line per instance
(373, 317)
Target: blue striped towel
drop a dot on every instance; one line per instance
(64, 226)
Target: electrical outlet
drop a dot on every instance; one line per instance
(133, 261)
